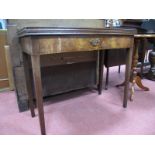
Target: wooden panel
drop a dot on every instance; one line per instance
(4, 84)
(49, 45)
(9, 67)
(3, 67)
(3, 64)
(64, 78)
(67, 58)
(20, 85)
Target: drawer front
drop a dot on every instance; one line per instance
(49, 45)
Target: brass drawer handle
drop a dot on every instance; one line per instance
(95, 42)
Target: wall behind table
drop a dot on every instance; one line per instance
(73, 72)
(95, 23)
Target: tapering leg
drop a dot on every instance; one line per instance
(28, 83)
(36, 69)
(107, 79)
(127, 76)
(101, 64)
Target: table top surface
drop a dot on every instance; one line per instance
(61, 31)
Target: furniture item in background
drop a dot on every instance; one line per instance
(109, 23)
(36, 42)
(113, 58)
(139, 53)
(109, 54)
(6, 76)
(140, 40)
(149, 26)
(116, 57)
(135, 78)
(151, 73)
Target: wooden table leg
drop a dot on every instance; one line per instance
(127, 76)
(36, 69)
(28, 85)
(107, 79)
(101, 63)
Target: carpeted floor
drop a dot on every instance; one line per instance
(85, 112)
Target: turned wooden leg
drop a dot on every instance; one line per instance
(38, 90)
(101, 64)
(28, 83)
(140, 85)
(134, 78)
(107, 79)
(132, 89)
(134, 69)
(127, 76)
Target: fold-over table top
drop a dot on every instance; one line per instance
(55, 31)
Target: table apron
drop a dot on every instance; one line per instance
(49, 45)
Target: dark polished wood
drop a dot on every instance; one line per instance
(107, 79)
(33, 31)
(28, 85)
(38, 90)
(38, 42)
(101, 62)
(127, 74)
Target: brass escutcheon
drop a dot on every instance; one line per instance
(95, 42)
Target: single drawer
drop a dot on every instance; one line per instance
(50, 45)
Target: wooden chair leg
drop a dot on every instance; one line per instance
(119, 69)
(144, 50)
